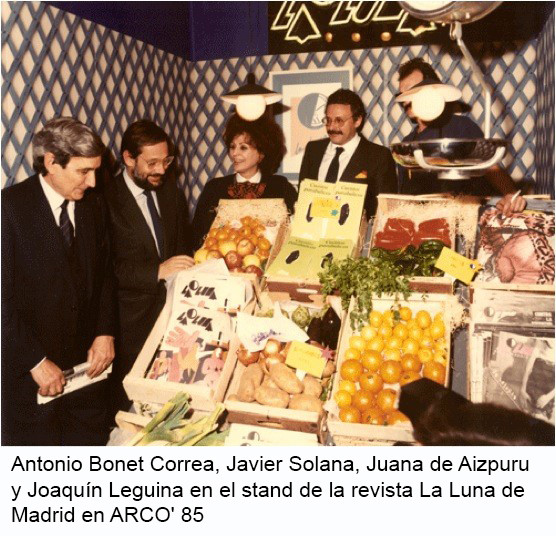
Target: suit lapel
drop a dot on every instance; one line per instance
(355, 165)
(130, 210)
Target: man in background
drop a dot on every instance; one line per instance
(345, 155)
(150, 236)
(448, 125)
(57, 292)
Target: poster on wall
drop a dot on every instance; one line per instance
(304, 95)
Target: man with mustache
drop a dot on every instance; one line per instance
(150, 233)
(345, 155)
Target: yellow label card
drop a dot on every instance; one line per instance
(325, 207)
(457, 265)
(306, 357)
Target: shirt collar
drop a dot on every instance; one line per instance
(255, 179)
(348, 147)
(135, 190)
(54, 199)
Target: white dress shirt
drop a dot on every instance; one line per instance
(255, 179)
(55, 200)
(141, 200)
(349, 148)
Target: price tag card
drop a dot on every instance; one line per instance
(325, 207)
(306, 357)
(457, 265)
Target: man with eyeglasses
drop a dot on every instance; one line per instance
(150, 233)
(345, 155)
(449, 125)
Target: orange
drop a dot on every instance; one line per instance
(415, 333)
(424, 355)
(438, 318)
(385, 331)
(395, 417)
(263, 243)
(352, 353)
(221, 235)
(373, 416)
(423, 319)
(363, 400)
(426, 342)
(376, 344)
(212, 233)
(391, 371)
(350, 414)
(386, 400)
(357, 343)
(347, 385)
(410, 346)
(405, 313)
(393, 343)
(343, 399)
(368, 332)
(401, 331)
(388, 318)
(246, 221)
(351, 369)
(375, 319)
(371, 382)
(437, 330)
(434, 371)
(393, 354)
(408, 377)
(410, 363)
(371, 360)
(440, 357)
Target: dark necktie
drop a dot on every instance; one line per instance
(66, 226)
(157, 221)
(332, 173)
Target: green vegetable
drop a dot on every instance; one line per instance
(364, 278)
(301, 316)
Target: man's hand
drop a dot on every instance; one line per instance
(174, 265)
(508, 205)
(100, 355)
(49, 377)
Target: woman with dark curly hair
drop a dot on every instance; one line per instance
(256, 149)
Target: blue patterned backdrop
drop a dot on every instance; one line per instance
(545, 106)
(56, 63)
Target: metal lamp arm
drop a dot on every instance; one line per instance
(456, 34)
(420, 159)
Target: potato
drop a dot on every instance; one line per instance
(250, 380)
(329, 369)
(306, 403)
(311, 386)
(267, 396)
(269, 382)
(285, 378)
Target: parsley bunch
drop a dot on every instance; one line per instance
(363, 278)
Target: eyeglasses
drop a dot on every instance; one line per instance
(152, 164)
(327, 121)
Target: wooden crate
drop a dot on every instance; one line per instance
(460, 213)
(142, 390)
(346, 433)
(303, 290)
(259, 415)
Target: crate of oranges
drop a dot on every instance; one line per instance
(401, 342)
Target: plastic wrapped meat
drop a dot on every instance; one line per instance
(437, 229)
(397, 233)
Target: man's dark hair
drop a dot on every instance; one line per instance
(264, 134)
(348, 97)
(65, 137)
(141, 133)
(417, 64)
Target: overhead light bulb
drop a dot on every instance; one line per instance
(250, 107)
(427, 104)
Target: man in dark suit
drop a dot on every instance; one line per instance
(345, 155)
(150, 236)
(58, 304)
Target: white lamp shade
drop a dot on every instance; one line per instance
(427, 104)
(250, 107)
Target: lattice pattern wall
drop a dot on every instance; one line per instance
(55, 63)
(545, 106)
